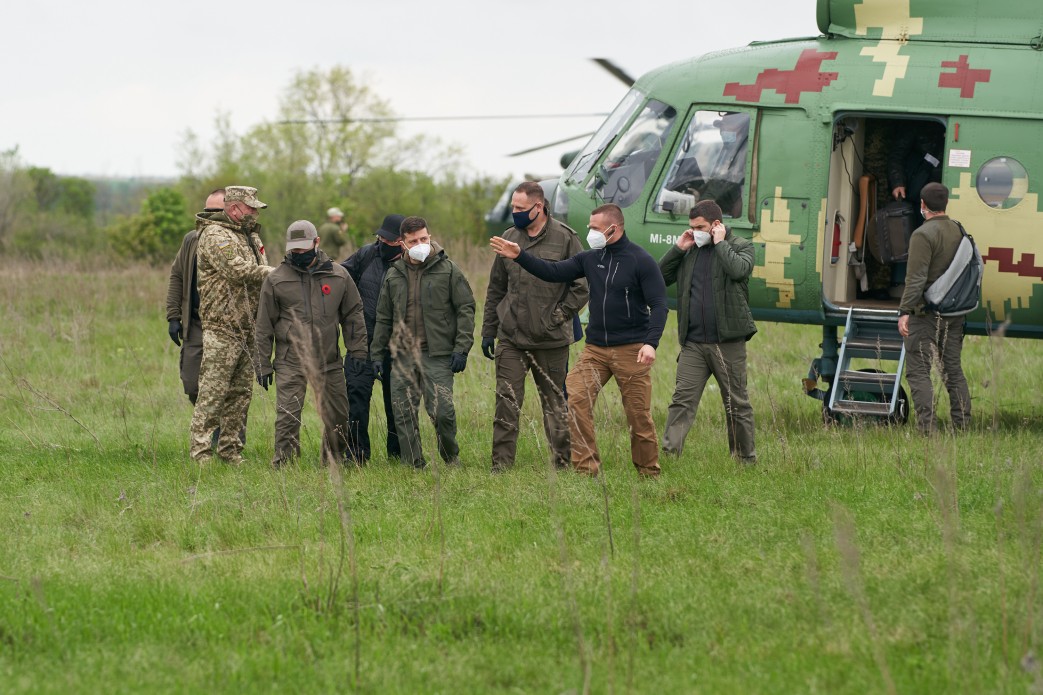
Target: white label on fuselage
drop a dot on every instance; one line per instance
(960, 158)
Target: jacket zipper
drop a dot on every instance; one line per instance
(627, 291)
(604, 299)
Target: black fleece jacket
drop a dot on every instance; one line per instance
(627, 291)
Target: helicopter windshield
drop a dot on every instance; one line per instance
(608, 130)
(709, 164)
(622, 176)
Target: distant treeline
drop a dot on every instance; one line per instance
(329, 148)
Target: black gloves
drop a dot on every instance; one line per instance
(265, 380)
(378, 371)
(174, 330)
(458, 362)
(488, 347)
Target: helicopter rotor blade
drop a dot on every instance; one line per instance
(486, 117)
(549, 144)
(615, 71)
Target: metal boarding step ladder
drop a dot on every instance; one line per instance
(870, 335)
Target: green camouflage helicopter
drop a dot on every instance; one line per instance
(795, 138)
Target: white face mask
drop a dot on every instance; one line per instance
(420, 252)
(923, 212)
(596, 239)
(701, 238)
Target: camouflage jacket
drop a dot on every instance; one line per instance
(230, 267)
(300, 310)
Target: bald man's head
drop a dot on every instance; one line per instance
(216, 200)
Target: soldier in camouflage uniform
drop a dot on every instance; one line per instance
(231, 266)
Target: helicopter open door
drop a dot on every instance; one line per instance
(866, 229)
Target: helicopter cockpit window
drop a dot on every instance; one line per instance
(621, 177)
(709, 164)
(585, 160)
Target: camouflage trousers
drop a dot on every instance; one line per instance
(226, 378)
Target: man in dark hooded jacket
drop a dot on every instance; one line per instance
(302, 304)
(367, 268)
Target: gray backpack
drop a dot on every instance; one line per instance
(958, 290)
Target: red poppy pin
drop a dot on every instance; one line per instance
(325, 289)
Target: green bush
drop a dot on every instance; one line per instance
(156, 232)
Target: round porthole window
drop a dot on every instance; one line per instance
(1002, 182)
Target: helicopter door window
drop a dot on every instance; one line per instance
(621, 177)
(710, 164)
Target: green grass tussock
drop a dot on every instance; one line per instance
(850, 560)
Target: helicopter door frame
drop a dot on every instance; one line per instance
(858, 146)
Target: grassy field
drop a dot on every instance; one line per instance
(851, 560)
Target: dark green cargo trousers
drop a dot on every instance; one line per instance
(432, 379)
(548, 369)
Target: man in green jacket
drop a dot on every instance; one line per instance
(231, 266)
(303, 302)
(532, 319)
(712, 268)
(929, 335)
(183, 324)
(425, 322)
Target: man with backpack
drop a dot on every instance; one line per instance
(928, 331)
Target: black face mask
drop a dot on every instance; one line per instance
(303, 259)
(389, 253)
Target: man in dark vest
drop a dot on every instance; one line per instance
(367, 268)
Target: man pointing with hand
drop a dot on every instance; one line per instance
(627, 316)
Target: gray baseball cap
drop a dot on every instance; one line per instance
(301, 235)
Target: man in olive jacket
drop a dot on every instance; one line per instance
(712, 268)
(425, 322)
(929, 335)
(532, 319)
(183, 324)
(303, 302)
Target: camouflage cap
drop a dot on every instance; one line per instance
(300, 235)
(243, 194)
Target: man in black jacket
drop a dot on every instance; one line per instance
(367, 268)
(627, 316)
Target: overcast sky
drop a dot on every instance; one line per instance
(110, 87)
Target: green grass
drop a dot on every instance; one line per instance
(851, 560)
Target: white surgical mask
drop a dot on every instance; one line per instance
(701, 238)
(596, 239)
(420, 252)
(923, 212)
